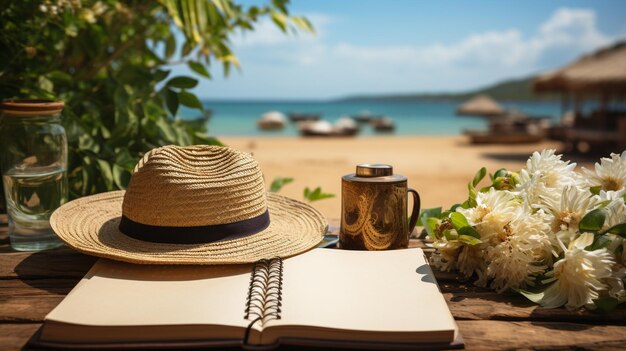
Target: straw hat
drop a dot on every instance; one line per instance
(190, 205)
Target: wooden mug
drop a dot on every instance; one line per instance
(374, 209)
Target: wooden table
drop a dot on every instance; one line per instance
(31, 284)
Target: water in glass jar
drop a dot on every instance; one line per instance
(31, 196)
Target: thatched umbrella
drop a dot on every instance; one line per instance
(481, 105)
(603, 70)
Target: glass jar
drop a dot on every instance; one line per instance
(33, 161)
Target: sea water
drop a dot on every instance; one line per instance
(31, 197)
(238, 118)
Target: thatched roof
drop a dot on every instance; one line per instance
(603, 70)
(481, 105)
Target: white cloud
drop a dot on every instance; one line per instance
(573, 28)
(313, 66)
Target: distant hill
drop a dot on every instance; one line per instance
(509, 90)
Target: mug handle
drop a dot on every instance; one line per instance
(416, 210)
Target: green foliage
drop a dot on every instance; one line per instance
(462, 226)
(606, 304)
(316, 195)
(278, 183)
(426, 213)
(110, 62)
(593, 221)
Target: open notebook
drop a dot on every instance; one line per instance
(324, 297)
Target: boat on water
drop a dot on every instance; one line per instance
(347, 126)
(326, 129)
(272, 120)
(383, 124)
(304, 116)
(365, 117)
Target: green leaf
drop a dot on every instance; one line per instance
(316, 195)
(280, 20)
(170, 46)
(593, 221)
(431, 225)
(469, 240)
(121, 176)
(279, 183)
(454, 207)
(171, 100)
(618, 229)
(182, 82)
(599, 241)
(606, 304)
(198, 68)
(479, 176)
(450, 234)
(303, 23)
(502, 172)
(166, 130)
(595, 189)
(161, 74)
(188, 99)
(428, 212)
(45, 84)
(458, 220)
(469, 231)
(59, 76)
(105, 173)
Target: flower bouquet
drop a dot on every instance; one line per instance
(552, 234)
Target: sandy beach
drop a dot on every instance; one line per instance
(438, 167)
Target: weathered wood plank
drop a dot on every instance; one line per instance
(31, 300)
(27, 309)
(513, 307)
(499, 335)
(4, 232)
(36, 287)
(14, 336)
(478, 335)
(60, 262)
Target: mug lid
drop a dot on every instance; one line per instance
(374, 173)
(373, 170)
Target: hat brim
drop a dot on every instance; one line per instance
(90, 225)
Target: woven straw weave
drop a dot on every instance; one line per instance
(190, 186)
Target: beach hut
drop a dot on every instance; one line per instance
(272, 120)
(602, 72)
(597, 80)
(482, 106)
(505, 127)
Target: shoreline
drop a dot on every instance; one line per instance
(438, 167)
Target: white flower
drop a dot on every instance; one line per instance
(616, 283)
(446, 255)
(609, 174)
(615, 206)
(545, 176)
(494, 210)
(577, 276)
(471, 260)
(567, 212)
(552, 172)
(526, 252)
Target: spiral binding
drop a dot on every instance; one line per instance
(264, 299)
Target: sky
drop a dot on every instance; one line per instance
(402, 47)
